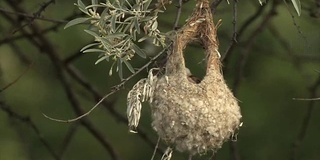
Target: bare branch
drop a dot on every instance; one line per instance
(176, 21)
(67, 139)
(10, 38)
(306, 99)
(29, 122)
(36, 14)
(33, 16)
(114, 89)
(155, 149)
(249, 44)
(305, 122)
(44, 43)
(17, 79)
(244, 27)
(214, 5)
(233, 146)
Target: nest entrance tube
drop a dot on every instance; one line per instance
(195, 118)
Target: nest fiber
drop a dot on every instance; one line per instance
(195, 117)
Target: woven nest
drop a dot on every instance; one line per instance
(195, 117)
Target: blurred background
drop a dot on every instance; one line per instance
(274, 60)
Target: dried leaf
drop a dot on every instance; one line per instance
(134, 105)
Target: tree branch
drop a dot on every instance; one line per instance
(243, 28)
(305, 122)
(27, 120)
(32, 16)
(36, 14)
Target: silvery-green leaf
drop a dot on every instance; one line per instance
(94, 5)
(135, 6)
(116, 35)
(75, 22)
(136, 25)
(138, 50)
(82, 7)
(110, 71)
(297, 6)
(128, 19)
(262, 1)
(146, 5)
(113, 22)
(94, 34)
(88, 46)
(105, 43)
(94, 50)
(129, 66)
(127, 27)
(154, 25)
(143, 38)
(128, 3)
(134, 35)
(102, 59)
(146, 19)
(104, 13)
(119, 67)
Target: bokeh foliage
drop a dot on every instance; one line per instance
(270, 64)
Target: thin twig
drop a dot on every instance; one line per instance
(73, 100)
(33, 16)
(17, 79)
(305, 122)
(306, 99)
(54, 27)
(75, 73)
(114, 89)
(36, 14)
(214, 5)
(67, 139)
(282, 41)
(244, 27)
(30, 123)
(249, 44)
(155, 149)
(176, 21)
(242, 61)
(234, 21)
(45, 45)
(233, 146)
(295, 24)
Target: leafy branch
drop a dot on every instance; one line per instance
(118, 29)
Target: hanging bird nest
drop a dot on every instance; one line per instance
(194, 117)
